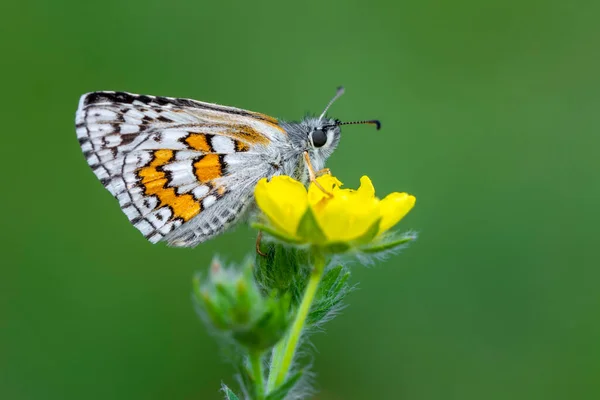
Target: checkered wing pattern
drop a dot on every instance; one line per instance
(182, 170)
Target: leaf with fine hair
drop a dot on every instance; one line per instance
(332, 290)
(390, 244)
(229, 395)
(282, 391)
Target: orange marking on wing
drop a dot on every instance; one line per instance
(246, 133)
(197, 141)
(161, 157)
(241, 146)
(266, 118)
(208, 168)
(151, 175)
(275, 125)
(155, 181)
(272, 122)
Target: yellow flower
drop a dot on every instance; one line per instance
(341, 215)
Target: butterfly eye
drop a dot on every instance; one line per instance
(319, 138)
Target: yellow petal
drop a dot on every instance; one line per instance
(347, 215)
(328, 182)
(366, 188)
(393, 208)
(283, 200)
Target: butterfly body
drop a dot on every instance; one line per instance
(183, 171)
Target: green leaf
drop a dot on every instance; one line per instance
(332, 283)
(229, 395)
(339, 285)
(387, 245)
(284, 389)
(308, 228)
(332, 290)
(329, 280)
(276, 234)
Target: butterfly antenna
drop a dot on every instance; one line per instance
(338, 93)
(369, 122)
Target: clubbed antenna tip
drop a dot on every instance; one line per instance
(368, 122)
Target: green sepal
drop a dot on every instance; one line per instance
(387, 245)
(207, 303)
(229, 395)
(269, 328)
(335, 247)
(282, 391)
(276, 234)
(309, 228)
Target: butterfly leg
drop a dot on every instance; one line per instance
(258, 239)
(312, 175)
(324, 171)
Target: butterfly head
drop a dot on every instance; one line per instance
(322, 135)
(319, 136)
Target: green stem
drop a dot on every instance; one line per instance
(284, 352)
(258, 374)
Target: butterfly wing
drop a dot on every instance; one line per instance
(182, 170)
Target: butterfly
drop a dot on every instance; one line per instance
(183, 171)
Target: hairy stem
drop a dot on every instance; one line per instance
(284, 352)
(258, 374)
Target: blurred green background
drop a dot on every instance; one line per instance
(490, 115)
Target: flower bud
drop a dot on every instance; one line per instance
(230, 301)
